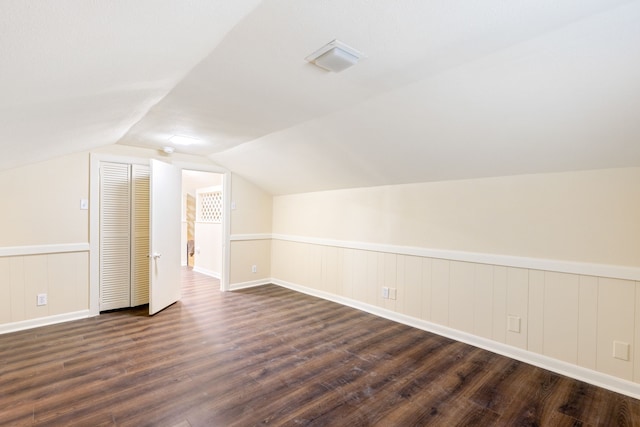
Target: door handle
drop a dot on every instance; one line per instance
(156, 255)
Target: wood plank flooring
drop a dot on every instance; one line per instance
(270, 356)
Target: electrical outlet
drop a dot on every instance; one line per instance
(254, 268)
(513, 324)
(621, 350)
(42, 299)
(385, 292)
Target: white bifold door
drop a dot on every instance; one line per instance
(138, 266)
(124, 235)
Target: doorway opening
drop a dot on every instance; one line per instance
(202, 228)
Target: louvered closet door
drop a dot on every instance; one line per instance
(140, 233)
(115, 237)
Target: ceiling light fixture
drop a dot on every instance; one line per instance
(184, 140)
(168, 150)
(335, 56)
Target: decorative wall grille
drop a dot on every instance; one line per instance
(211, 206)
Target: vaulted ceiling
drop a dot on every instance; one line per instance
(449, 89)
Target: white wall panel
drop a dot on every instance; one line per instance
(427, 288)
(315, 266)
(440, 291)
(372, 278)
(561, 316)
(18, 289)
(62, 279)
(616, 321)
(410, 290)
(347, 273)
(5, 291)
(331, 275)
(461, 293)
(390, 278)
(588, 322)
(360, 283)
(634, 350)
(483, 300)
(535, 336)
(380, 279)
(517, 304)
(500, 304)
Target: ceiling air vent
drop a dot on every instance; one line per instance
(335, 56)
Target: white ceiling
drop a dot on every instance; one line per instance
(449, 89)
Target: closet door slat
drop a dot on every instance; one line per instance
(140, 233)
(115, 235)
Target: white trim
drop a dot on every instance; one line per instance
(116, 158)
(250, 284)
(599, 379)
(242, 237)
(587, 269)
(226, 216)
(43, 249)
(94, 231)
(43, 321)
(206, 272)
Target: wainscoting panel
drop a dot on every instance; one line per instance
(63, 276)
(571, 319)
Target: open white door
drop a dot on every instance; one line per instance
(164, 235)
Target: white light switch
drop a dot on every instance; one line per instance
(233, 206)
(84, 204)
(621, 350)
(513, 324)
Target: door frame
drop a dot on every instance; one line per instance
(94, 216)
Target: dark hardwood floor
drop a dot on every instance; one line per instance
(272, 356)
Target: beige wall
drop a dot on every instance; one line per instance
(41, 207)
(587, 216)
(208, 248)
(250, 218)
(253, 207)
(352, 243)
(41, 202)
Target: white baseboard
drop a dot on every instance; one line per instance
(250, 284)
(43, 321)
(206, 272)
(599, 379)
